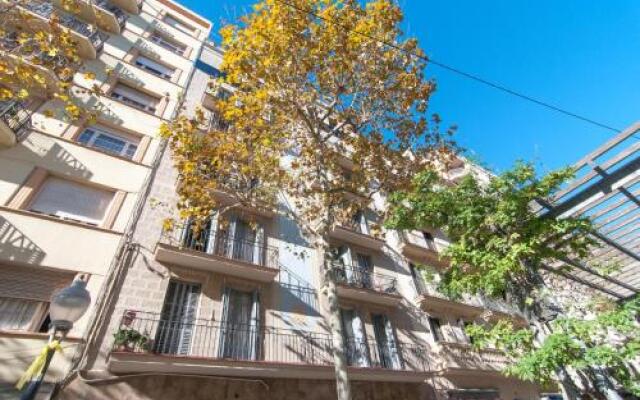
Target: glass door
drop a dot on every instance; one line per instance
(178, 318)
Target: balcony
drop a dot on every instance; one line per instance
(89, 39)
(217, 252)
(234, 184)
(415, 246)
(356, 233)
(130, 6)
(432, 300)
(460, 358)
(361, 284)
(101, 12)
(15, 117)
(215, 348)
(14, 54)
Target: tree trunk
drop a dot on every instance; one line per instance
(329, 291)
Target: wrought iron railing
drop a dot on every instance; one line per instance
(181, 337)
(45, 10)
(120, 15)
(189, 236)
(15, 115)
(463, 356)
(365, 278)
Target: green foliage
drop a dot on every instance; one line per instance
(493, 228)
(130, 338)
(499, 244)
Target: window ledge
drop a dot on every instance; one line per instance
(35, 335)
(60, 220)
(41, 132)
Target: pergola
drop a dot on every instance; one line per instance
(605, 190)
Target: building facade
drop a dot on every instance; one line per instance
(228, 312)
(232, 311)
(69, 191)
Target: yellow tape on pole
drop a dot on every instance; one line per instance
(36, 366)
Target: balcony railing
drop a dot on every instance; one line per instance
(430, 289)
(221, 244)
(222, 341)
(120, 15)
(364, 278)
(45, 10)
(462, 356)
(15, 115)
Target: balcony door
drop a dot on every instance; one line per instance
(178, 318)
(355, 340)
(243, 241)
(240, 326)
(363, 271)
(386, 342)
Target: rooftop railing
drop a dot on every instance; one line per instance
(219, 340)
(219, 243)
(365, 278)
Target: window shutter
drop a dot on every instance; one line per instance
(67, 199)
(32, 283)
(176, 327)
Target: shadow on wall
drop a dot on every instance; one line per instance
(296, 295)
(15, 246)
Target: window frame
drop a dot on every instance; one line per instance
(168, 44)
(39, 190)
(138, 105)
(101, 130)
(152, 70)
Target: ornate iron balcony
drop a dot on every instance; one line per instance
(360, 277)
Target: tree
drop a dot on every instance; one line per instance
(38, 60)
(320, 114)
(499, 244)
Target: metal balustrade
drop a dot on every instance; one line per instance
(365, 278)
(120, 15)
(189, 236)
(462, 356)
(222, 341)
(15, 116)
(46, 9)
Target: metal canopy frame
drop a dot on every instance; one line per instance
(605, 190)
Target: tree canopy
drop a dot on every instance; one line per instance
(500, 244)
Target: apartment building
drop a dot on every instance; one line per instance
(69, 191)
(232, 311)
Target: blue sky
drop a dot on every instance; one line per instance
(583, 56)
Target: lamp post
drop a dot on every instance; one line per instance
(67, 306)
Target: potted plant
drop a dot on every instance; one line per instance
(129, 339)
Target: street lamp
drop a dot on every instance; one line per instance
(67, 306)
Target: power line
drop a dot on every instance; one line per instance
(457, 71)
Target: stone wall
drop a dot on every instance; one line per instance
(211, 388)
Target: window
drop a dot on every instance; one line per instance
(154, 67)
(178, 318)
(418, 280)
(359, 223)
(386, 342)
(168, 43)
(25, 294)
(70, 200)
(240, 326)
(135, 98)
(170, 20)
(355, 339)
(436, 329)
(22, 314)
(102, 139)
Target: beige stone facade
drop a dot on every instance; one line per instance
(232, 312)
(69, 191)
